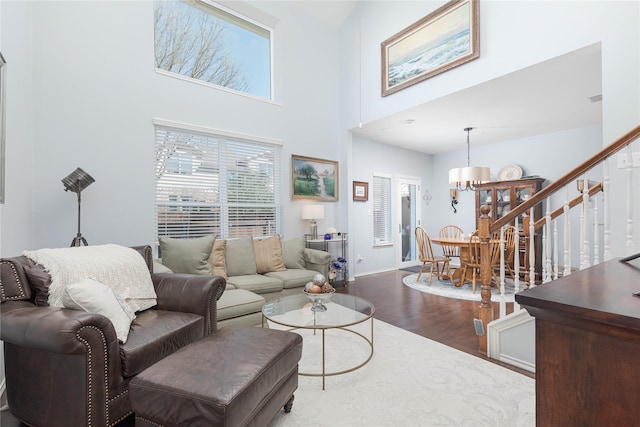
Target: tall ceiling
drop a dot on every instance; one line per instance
(547, 97)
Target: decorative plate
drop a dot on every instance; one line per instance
(510, 172)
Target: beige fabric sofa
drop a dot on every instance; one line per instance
(256, 270)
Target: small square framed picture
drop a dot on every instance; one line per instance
(360, 191)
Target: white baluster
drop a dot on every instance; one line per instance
(596, 235)
(584, 218)
(543, 274)
(556, 268)
(516, 263)
(630, 199)
(567, 234)
(606, 183)
(503, 303)
(532, 250)
(547, 277)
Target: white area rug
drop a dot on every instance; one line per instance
(446, 289)
(410, 381)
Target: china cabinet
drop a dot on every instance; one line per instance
(502, 197)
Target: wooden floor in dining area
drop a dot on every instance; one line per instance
(446, 320)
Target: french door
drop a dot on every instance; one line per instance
(408, 217)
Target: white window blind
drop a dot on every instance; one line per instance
(214, 184)
(381, 210)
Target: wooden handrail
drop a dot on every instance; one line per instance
(572, 203)
(582, 168)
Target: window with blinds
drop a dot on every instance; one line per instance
(381, 210)
(215, 184)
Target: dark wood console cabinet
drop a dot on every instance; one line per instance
(588, 346)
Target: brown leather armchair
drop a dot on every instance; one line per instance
(67, 368)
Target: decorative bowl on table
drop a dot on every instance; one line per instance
(319, 299)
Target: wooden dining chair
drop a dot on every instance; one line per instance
(451, 232)
(510, 236)
(438, 265)
(472, 262)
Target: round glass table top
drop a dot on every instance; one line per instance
(296, 311)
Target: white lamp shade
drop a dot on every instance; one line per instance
(312, 212)
(475, 174)
(454, 176)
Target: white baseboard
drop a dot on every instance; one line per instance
(522, 364)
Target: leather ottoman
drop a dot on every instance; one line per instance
(237, 376)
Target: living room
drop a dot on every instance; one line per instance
(82, 91)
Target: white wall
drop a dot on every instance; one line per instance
(372, 157)
(95, 93)
(17, 212)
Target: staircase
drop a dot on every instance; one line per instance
(576, 234)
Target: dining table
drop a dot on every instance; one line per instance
(462, 243)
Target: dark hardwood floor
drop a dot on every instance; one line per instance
(446, 320)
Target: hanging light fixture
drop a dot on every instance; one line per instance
(469, 177)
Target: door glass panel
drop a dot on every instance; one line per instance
(485, 199)
(408, 200)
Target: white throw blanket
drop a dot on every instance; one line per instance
(119, 267)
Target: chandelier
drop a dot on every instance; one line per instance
(469, 177)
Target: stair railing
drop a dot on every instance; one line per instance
(550, 246)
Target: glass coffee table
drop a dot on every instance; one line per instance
(294, 312)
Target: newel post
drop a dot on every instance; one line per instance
(486, 309)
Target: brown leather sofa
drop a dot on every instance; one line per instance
(67, 368)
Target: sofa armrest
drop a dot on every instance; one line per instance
(57, 330)
(189, 293)
(69, 359)
(317, 260)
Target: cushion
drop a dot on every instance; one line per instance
(158, 267)
(256, 283)
(216, 259)
(40, 281)
(238, 302)
(293, 277)
(268, 253)
(239, 257)
(189, 256)
(292, 253)
(94, 297)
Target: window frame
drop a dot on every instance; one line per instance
(241, 16)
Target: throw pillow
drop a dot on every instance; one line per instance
(187, 255)
(40, 281)
(239, 257)
(293, 253)
(268, 253)
(94, 297)
(159, 267)
(216, 259)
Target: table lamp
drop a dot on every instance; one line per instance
(313, 212)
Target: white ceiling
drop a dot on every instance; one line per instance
(547, 97)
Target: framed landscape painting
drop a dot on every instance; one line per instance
(314, 179)
(442, 40)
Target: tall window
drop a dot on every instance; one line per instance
(381, 210)
(206, 42)
(209, 183)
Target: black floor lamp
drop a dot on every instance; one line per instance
(77, 181)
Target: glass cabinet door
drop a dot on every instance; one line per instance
(503, 202)
(485, 199)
